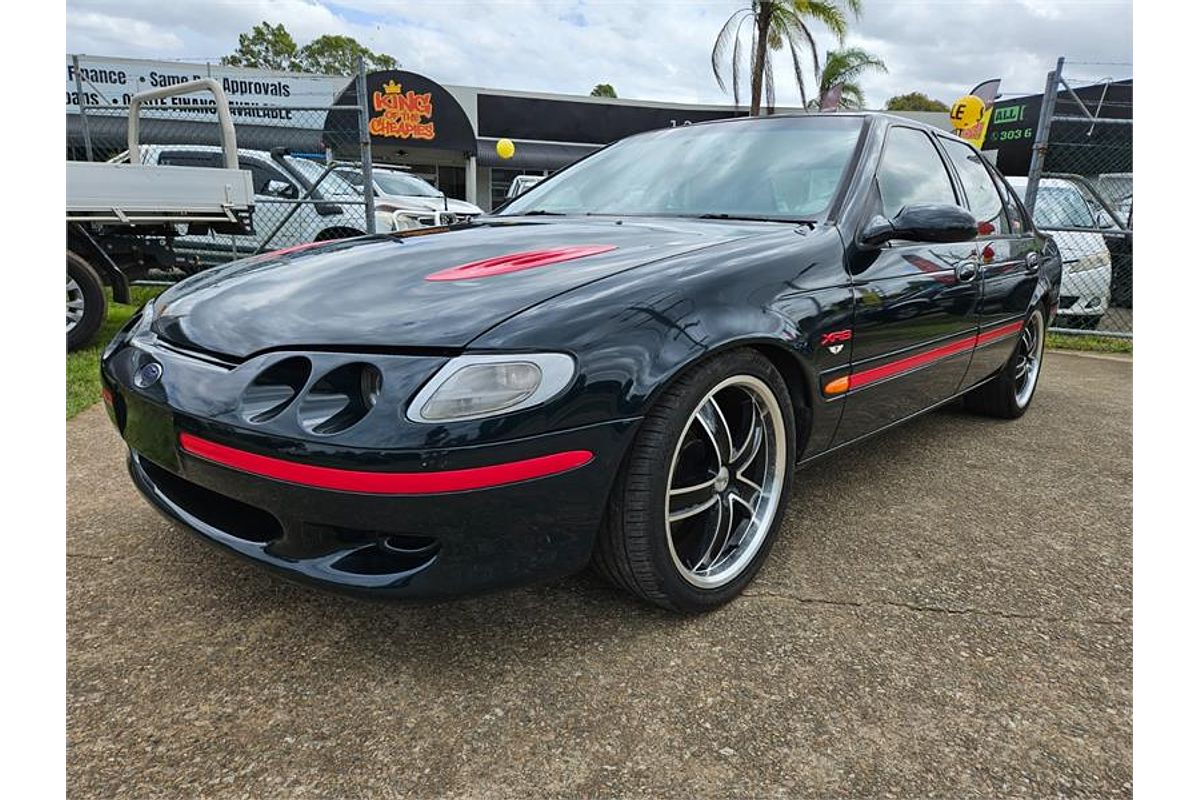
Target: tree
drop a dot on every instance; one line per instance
(774, 25)
(266, 46)
(338, 55)
(846, 67)
(603, 90)
(269, 46)
(915, 101)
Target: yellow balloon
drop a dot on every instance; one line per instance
(505, 148)
(966, 112)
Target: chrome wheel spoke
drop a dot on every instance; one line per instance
(685, 511)
(717, 533)
(712, 420)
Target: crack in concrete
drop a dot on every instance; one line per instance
(930, 609)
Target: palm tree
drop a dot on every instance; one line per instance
(775, 24)
(846, 66)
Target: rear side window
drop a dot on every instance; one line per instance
(911, 171)
(1013, 206)
(982, 196)
(185, 159)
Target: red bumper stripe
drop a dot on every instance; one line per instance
(398, 483)
(909, 363)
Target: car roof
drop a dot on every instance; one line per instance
(878, 117)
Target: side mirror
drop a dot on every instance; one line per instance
(280, 189)
(921, 222)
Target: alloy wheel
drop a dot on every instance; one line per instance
(75, 303)
(725, 481)
(1029, 358)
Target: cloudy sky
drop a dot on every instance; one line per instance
(648, 49)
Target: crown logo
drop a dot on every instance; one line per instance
(391, 87)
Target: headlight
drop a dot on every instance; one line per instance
(403, 222)
(475, 386)
(1093, 261)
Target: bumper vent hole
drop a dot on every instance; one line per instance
(340, 398)
(274, 389)
(227, 515)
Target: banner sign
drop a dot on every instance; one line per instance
(405, 109)
(256, 97)
(976, 131)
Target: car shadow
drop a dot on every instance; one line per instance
(456, 640)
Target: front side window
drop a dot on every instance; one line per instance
(783, 168)
(982, 197)
(911, 171)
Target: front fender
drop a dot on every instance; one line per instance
(635, 333)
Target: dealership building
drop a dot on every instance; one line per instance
(446, 134)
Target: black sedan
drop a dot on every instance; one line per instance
(625, 365)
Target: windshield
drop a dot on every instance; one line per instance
(785, 168)
(334, 184)
(1060, 205)
(400, 183)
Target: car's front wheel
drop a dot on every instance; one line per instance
(702, 491)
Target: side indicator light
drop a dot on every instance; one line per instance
(516, 262)
(838, 385)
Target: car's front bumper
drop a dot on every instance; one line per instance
(1085, 293)
(405, 540)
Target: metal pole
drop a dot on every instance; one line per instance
(472, 180)
(1042, 141)
(83, 120)
(364, 145)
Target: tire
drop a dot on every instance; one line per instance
(705, 557)
(87, 307)
(1009, 394)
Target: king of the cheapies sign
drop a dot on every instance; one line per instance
(401, 114)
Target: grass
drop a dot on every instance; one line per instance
(83, 366)
(1089, 342)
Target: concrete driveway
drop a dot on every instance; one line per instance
(947, 613)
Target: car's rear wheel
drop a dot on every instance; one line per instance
(702, 491)
(86, 305)
(1009, 394)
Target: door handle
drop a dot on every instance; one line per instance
(966, 271)
(1033, 260)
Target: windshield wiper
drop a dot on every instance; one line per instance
(541, 212)
(740, 218)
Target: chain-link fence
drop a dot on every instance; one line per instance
(1080, 190)
(310, 168)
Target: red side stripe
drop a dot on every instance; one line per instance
(397, 483)
(516, 262)
(999, 333)
(891, 368)
(909, 363)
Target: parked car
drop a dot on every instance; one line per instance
(1087, 262)
(522, 184)
(404, 201)
(277, 177)
(626, 366)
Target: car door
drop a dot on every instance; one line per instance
(198, 245)
(272, 192)
(1009, 258)
(915, 303)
